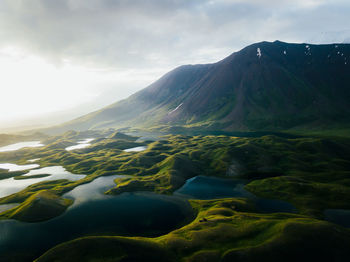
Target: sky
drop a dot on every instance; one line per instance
(62, 59)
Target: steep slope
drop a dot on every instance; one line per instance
(265, 86)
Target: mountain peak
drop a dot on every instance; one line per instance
(264, 86)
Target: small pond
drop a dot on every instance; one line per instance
(204, 187)
(33, 160)
(13, 167)
(20, 145)
(136, 149)
(80, 144)
(10, 185)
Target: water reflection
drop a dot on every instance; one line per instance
(5, 207)
(20, 145)
(204, 187)
(10, 185)
(94, 213)
(338, 216)
(13, 167)
(136, 149)
(81, 144)
(33, 160)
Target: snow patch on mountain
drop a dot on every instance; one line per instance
(172, 111)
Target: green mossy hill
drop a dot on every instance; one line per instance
(119, 135)
(312, 173)
(41, 206)
(4, 173)
(108, 249)
(309, 172)
(224, 230)
(7, 139)
(58, 187)
(29, 177)
(310, 197)
(171, 174)
(105, 158)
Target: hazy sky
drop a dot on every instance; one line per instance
(79, 55)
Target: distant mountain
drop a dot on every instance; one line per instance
(265, 86)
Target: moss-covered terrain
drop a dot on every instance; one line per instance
(6, 139)
(30, 176)
(40, 206)
(4, 173)
(224, 230)
(312, 173)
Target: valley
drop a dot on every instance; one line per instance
(176, 199)
(174, 131)
(244, 159)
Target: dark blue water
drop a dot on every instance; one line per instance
(203, 187)
(135, 214)
(338, 216)
(93, 213)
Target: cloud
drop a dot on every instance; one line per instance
(139, 34)
(99, 51)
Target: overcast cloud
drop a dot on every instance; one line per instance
(151, 33)
(154, 36)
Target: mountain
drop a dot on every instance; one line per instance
(265, 86)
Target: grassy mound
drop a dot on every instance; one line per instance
(31, 176)
(4, 174)
(310, 172)
(224, 230)
(41, 206)
(108, 249)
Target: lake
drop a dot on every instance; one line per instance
(204, 187)
(10, 185)
(133, 214)
(93, 213)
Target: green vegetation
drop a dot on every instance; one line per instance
(240, 92)
(4, 173)
(7, 139)
(310, 172)
(29, 177)
(40, 206)
(224, 230)
(78, 161)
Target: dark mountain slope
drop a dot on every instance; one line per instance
(265, 86)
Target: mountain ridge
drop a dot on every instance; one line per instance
(264, 86)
